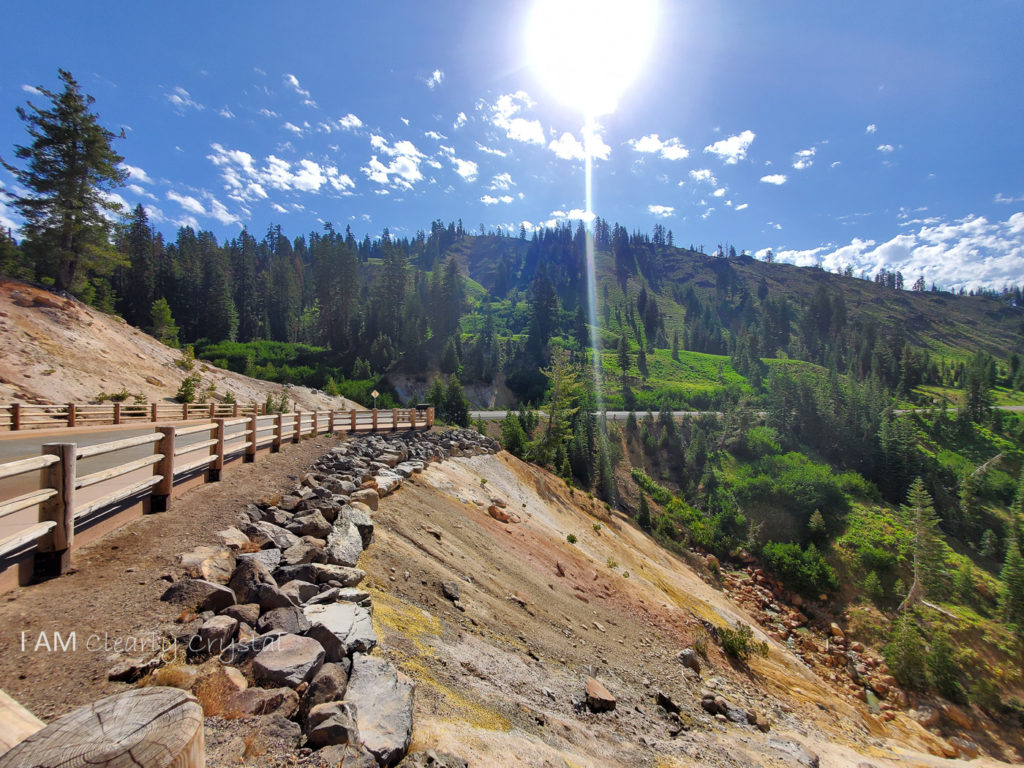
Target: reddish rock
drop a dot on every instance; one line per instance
(598, 697)
(499, 514)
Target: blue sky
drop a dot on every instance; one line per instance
(870, 134)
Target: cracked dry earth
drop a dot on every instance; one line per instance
(501, 672)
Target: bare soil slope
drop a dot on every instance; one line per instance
(502, 674)
(57, 350)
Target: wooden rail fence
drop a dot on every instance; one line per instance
(178, 454)
(19, 416)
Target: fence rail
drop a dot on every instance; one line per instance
(176, 452)
(19, 416)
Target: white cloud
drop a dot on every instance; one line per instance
(775, 178)
(435, 79)
(568, 147)
(460, 120)
(720, 192)
(435, 135)
(244, 180)
(225, 112)
(503, 113)
(661, 211)
(1001, 198)
(871, 128)
(350, 122)
(136, 173)
(182, 99)
(804, 158)
(293, 82)
(669, 149)
(31, 89)
(219, 212)
(403, 170)
(490, 200)
(491, 151)
(886, 148)
(138, 191)
(732, 149)
(465, 168)
(268, 112)
(502, 181)
(187, 202)
(703, 174)
(742, 206)
(279, 208)
(405, 120)
(970, 253)
(293, 128)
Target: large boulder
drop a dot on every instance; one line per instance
(288, 661)
(333, 722)
(383, 699)
(344, 543)
(209, 563)
(269, 558)
(367, 496)
(248, 575)
(215, 635)
(341, 628)
(290, 620)
(300, 591)
(310, 524)
(199, 595)
(598, 697)
(267, 535)
(329, 684)
(359, 517)
(263, 701)
(303, 552)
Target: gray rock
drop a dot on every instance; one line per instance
(432, 759)
(215, 635)
(276, 516)
(333, 722)
(343, 595)
(344, 544)
(290, 620)
(303, 572)
(199, 595)
(269, 535)
(361, 520)
(450, 590)
(289, 502)
(796, 750)
(347, 755)
(328, 685)
(209, 563)
(383, 699)
(341, 628)
(263, 701)
(367, 496)
(233, 538)
(300, 591)
(247, 613)
(270, 597)
(303, 552)
(689, 658)
(269, 558)
(347, 577)
(240, 652)
(248, 575)
(310, 524)
(737, 715)
(290, 660)
(388, 484)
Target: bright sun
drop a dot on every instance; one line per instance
(587, 52)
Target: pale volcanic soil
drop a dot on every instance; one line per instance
(500, 680)
(59, 350)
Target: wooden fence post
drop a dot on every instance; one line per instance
(15, 417)
(184, 411)
(161, 498)
(430, 417)
(412, 418)
(297, 432)
(330, 421)
(316, 423)
(152, 412)
(56, 548)
(394, 419)
(117, 413)
(374, 419)
(275, 447)
(250, 451)
(352, 413)
(218, 464)
(234, 411)
(72, 413)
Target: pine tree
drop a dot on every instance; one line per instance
(928, 548)
(139, 290)
(905, 653)
(456, 406)
(513, 438)
(70, 167)
(942, 667)
(1011, 600)
(163, 327)
(643, 516)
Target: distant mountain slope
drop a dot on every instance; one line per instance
(60, 350)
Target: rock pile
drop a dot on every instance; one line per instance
(279, 600)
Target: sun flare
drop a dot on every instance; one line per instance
(587, 52)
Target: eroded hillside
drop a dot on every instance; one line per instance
(56, 350)
(501, 671)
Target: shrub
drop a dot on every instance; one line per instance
(655, 491)
(802, 569)
(873, 588)
(905, 653)
(571, 538)
(187, 391)
(739, 643)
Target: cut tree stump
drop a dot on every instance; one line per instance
(141, 728)
(16, 723)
